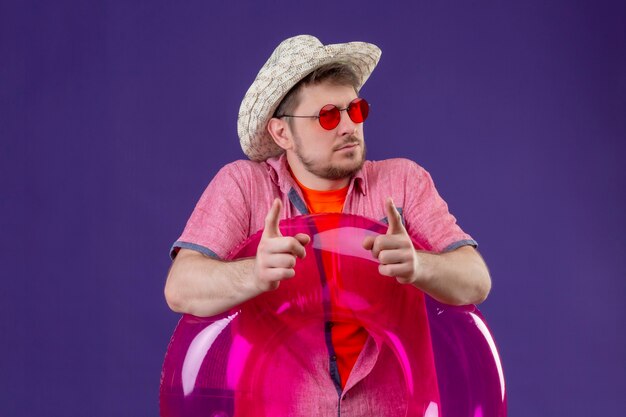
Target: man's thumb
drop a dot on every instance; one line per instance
(271, 220)
(393, 218)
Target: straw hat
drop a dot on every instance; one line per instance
(290, 62)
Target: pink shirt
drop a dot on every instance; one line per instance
(234, 206)
(235, 203)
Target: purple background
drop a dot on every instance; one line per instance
(115, 115)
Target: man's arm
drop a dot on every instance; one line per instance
(458, 277)
(202, 286)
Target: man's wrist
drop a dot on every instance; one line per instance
(425, 266)
(245, 281)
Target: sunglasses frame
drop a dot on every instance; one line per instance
(332, 108)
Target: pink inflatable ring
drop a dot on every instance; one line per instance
(272, 355)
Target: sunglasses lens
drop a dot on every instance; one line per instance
(358, 110)
(329, 117)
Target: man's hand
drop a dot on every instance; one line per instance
(394, 250)
(276, 254)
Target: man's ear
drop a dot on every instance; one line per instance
(280, 132)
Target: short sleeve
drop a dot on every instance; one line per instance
(221, 218)
(427, 217)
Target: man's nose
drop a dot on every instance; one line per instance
(346, 125)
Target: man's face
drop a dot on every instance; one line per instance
(329, 154)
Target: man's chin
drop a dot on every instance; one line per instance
(345, 170)
(344, 166)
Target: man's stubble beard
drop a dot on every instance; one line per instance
(330, 171)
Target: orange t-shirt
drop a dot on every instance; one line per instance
(348, 336)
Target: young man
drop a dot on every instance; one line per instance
(301, 124)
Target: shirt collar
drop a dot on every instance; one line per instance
(280, 175)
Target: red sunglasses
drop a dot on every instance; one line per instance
(330, 115)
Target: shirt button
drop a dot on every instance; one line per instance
(329, 324)
(333, 358)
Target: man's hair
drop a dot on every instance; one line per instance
(336, 73)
